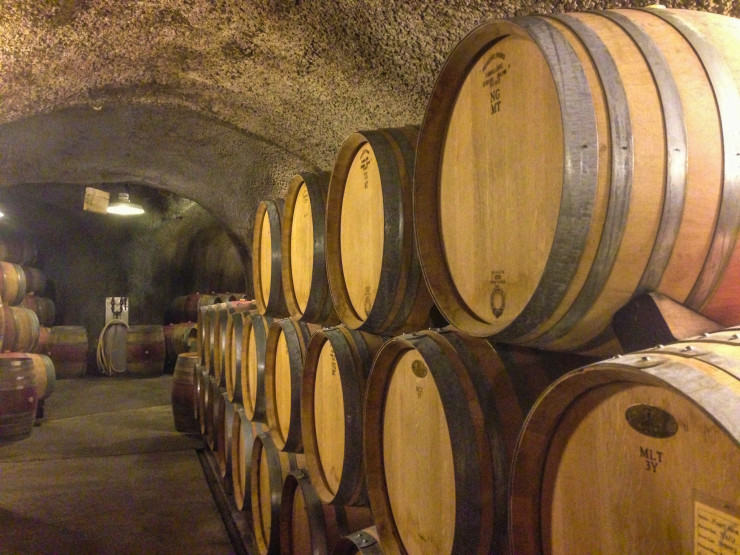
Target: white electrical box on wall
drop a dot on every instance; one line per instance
(116, 308)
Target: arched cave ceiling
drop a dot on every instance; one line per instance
(221, 101)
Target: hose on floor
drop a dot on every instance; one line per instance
(105, 362)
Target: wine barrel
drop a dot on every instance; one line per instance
(237, 339)
(44, 374)
(145, 351)
(183, 394)
(18, 250)
(335, 372)
(179, 338)
(223, 423)
(12, 283)
(43, 307)
(374, 274)
(212, 334)
(222, 345)
(253, 367)
(42, 345)
(303, 250)
(35, 281)
(266, 265)
(20, 329)
(18, 398)
(270, 467)
(203, 333)
(243, 433)
(287, 340)
(458, 397)
(309, 526)
(597, 167)
(365, 542)
(653, 436)
(68, 349)
(202, 388)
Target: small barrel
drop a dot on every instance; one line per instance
(287, 341)
(18, 398)
(594, 153)
(42, 345)
(68, 347)
(335, 372)
(44, 374)
(463, 401)
(303, 250)
(243, 433)
(253, 367)
(35, 281)
(309, 526)
(145, 351)
(12, 283)
(43, 307)
(224, 421)
(270, 467)
(365, 542)
(183, 394)
(374, 273)
(19, 250)
(653, 437)
(266, 265)
(20, 329)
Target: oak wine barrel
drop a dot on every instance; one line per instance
(222, 342)
(243, 433)
(598, 164)
(68, 347)
(270, 467)
(18, 398)
(43, 307)
(18, 250)
(224, 424)
(266, 265)
(204, 301)
(183, 394)
(12, 283)
(287, 341)
(335, 373)
(374, 273)
(145, 351)
(462, 401)
(44, 374)
(253, 366)
(179, 338)
(42, 345)
(303, 250)
(653, 436)
(35, 281)
(309, 526)
(20, 329)
(365, 542)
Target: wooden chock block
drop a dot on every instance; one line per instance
(653, 319)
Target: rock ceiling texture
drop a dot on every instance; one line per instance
(221, 101)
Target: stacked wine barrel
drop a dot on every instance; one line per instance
(565, 165)
(27, 373)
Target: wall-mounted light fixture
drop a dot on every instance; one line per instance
(124, 207)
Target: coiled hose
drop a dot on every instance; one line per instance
(105, 363)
